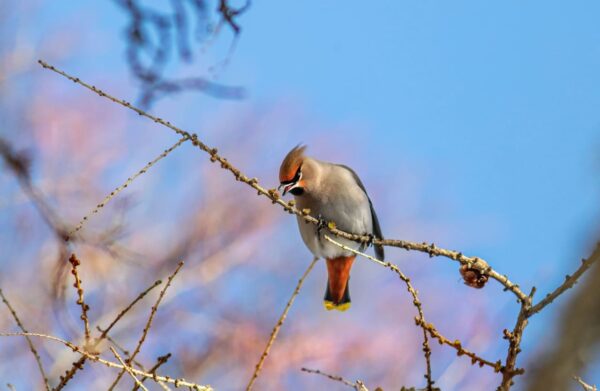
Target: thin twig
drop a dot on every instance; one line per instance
(416, 303)
(460, 350)
(128, 369)
(431, 249)
(570, 280)
(125, 352)
(278, 325)
(586, 387)
(78, 349)
(129, 180)
(358, 385)
(148, 323)
(79, 363)
(80, 301)
(160, 360)
(29, 342)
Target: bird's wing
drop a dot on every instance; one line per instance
(376, 228)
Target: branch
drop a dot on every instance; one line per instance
(79, 363)
(514, 348)
(136, 362)
(278, 325)
(128, 182)
(159, 361)
(128, 369)
(38, 360)
(416, 303)
(84, 307)
(358, 385)
(460, 351)
(472, 262)
(148, 324)
(570, 281)
(78, 349)
(584, 385)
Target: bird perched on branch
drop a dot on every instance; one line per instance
(334, 194)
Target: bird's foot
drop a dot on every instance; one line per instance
(369, 241)
(321, 224)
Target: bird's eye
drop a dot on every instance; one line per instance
(297, 191)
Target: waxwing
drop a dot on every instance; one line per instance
(333, 193)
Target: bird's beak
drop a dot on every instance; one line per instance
(286, 187)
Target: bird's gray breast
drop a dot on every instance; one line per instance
(338, 198)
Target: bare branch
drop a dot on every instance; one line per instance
(472, 262)
(584, 385)
(136, 362)
(416, 303)
(78, 349)
(38, 360)
(79, 363)
(278, 325)
(148, 323)
(460, 350)
(570, 281)
(128, 369)
(358, 385)
(80, 301)
(128, 182)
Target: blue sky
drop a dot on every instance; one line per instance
(483, 117)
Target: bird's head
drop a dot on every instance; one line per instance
(290, 172)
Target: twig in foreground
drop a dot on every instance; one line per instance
(84, 307)
(275, 331)
(586, 387)
(129, 180)
(569, 282)
(78, 349)
(148, 324)
(29, 342)
(358, 385)
(135, 379)
(79, 363)
(136, 362)
(460, 351)
(416, 303)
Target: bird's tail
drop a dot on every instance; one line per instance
(337, 294)
(342, 305)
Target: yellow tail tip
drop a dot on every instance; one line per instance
(330, 305)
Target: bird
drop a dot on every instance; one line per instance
(335, 194)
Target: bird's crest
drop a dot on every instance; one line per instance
(291, 163)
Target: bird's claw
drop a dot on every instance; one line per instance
(321, 224)
(370, 240)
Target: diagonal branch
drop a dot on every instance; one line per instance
(79, 363)
(148, 324)
(278, 325)
(128, 369)
(570, 281)
(358, 385)
(128, 182)
(431, 249)
(416, 303)
(38, 360)
(584, 385)
(78, 349)
(460, 350)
